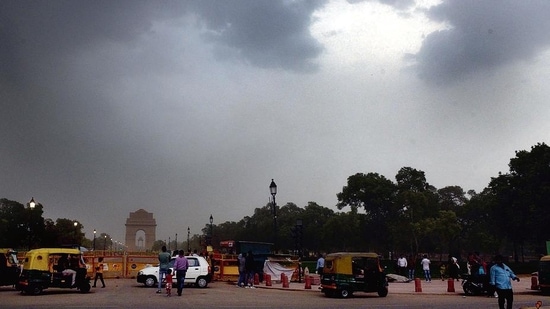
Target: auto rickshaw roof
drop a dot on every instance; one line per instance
(54, 251)
(354, 254)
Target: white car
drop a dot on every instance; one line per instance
(198, 273)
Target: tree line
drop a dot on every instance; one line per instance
(407, 215)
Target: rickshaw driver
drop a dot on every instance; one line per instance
(65, 268)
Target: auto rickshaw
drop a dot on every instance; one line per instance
(53, 267)
(544, 275)
(347, 272)
(9, 267)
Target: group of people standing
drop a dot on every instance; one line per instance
(165, 274)
(246, 270)
(499, 275)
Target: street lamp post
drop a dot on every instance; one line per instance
(299, 233)
(75, 232)
(188, 245)
(94, 239)
(176, 247)
(32, 204)
(273, 191)
(104, 243)
(211, 229)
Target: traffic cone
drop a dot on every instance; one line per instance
(284, 278)
(307, 279)
(417, 285)
(451, 285)
(534, 283)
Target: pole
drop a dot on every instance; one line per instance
(94, 238)
(274, 224)
(176, 247)
(188, 245)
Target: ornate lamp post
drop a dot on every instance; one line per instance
(273, 191)
(94, 238)
(75, 233)
(104, 243)
(188, 245)
(32, 204)
(211, 229)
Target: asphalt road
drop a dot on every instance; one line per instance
(126, 293)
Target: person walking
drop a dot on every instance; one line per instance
(249, 266)
(242, 270)
(180, 266)
(320, 265)
(500, 275)
(164, 264)
(411, 265)
(168, 282)
(402, 266)
(426, 268)
(99, 272)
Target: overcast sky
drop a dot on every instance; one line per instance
(190, 108)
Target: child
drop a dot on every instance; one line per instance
(168, 281)
(442, 271)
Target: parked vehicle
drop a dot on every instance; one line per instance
(348, 272)
(198, 273)
(544, 274)
(476, 285)
(9, 267)
(43, 269)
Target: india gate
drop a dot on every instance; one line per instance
(140, 231)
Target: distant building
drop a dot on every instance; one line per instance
(140, 231)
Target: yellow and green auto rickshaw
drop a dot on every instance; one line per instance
(53, 267)
(348, 272)
(9, 267)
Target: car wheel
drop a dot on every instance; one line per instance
(345, 293)
(202, 282)
(150, 281)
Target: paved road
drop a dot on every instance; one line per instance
(126, 293)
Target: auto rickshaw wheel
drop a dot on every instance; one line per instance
(345, 293)
(85, 287)
(383, 292)
(34, 289)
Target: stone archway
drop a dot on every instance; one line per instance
(140, 222)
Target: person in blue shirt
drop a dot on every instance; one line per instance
(500, 275)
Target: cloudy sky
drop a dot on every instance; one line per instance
(190, 108)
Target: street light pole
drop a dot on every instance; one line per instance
(32, 204)
(211, 229)
(273, 191)
(94, 239)
(176, 247)
(188, 245)
(75, 232)
(104, 243)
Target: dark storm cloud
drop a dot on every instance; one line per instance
(482, 35)
(271, 34)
